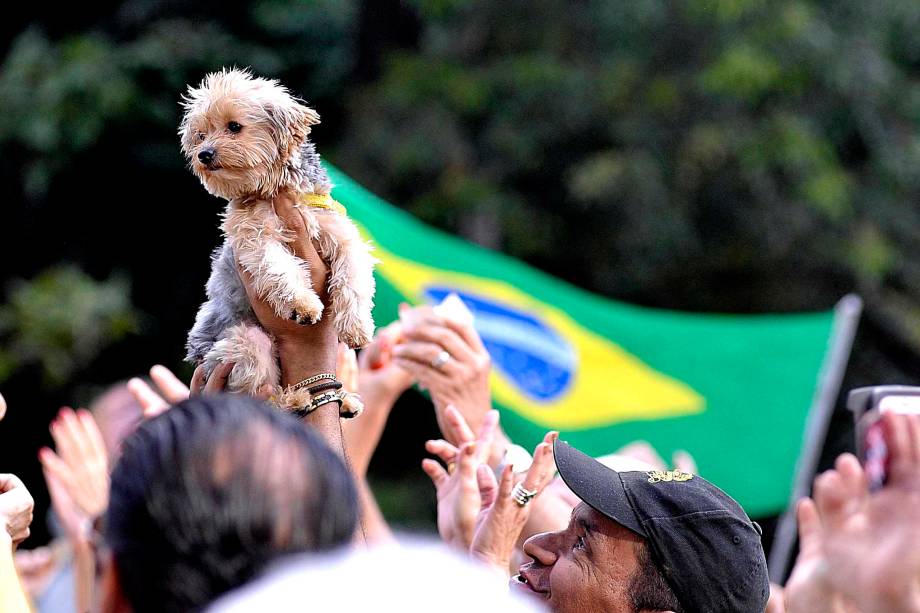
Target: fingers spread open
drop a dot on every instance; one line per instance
(829, 496)
(468, 461)
(458, 429)
(57, 468)
(170, 386)
(542, 469)
(151, 403)
(435, 471)
(487, 429)
(92, 435)
(852, 477)
(809, 524)
(442, 449)
(65, 432)
(488, 486)
(505, 485)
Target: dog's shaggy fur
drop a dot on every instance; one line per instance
(246, 139)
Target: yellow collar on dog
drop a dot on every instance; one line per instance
(322, 201)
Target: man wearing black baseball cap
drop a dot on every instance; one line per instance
(646, 541)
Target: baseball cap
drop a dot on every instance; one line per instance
(702, 541)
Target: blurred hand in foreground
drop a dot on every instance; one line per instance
(81, 465)
(77, 525)
(16, 507)
(171, 390)
(35, 568)
(871, 542)
(776, 602)
(379, 382)
(808, 589)
(380, 379)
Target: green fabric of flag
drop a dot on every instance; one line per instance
(732, 390)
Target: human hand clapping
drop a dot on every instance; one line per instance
(871, 542)
(81, 464)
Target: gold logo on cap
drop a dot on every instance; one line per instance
(657, 476)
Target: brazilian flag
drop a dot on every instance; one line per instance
(733, 390)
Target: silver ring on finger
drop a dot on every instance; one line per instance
(440, 360)
(521, 495)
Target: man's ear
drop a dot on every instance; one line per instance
(291, 121)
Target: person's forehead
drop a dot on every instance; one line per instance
(584, 513)
(597, 523)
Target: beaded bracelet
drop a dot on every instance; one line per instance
(318, 401)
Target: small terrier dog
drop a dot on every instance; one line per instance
(246, 139)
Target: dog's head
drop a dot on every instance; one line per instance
(242, 134)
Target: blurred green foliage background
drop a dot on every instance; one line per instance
(712, 155)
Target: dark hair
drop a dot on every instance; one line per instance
(648, 589)
(207, 494)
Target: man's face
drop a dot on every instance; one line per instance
(585, 568)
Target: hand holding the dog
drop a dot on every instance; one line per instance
(303, 350)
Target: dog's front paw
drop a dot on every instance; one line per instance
(355, 329)
(307, 310)
(301, 318)
(356, 338)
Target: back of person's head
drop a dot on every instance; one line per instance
(118, 414)
(412, 577)
(207, 494)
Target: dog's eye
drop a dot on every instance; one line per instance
(200, 136)
(234, 127)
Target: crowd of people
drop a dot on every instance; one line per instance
(169, 497)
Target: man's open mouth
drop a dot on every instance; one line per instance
(520, 582)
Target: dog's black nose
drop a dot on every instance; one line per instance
(206, 156)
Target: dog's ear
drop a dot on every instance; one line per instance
(291, 121)
(189, 102)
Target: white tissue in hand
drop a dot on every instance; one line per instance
(454, 309)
